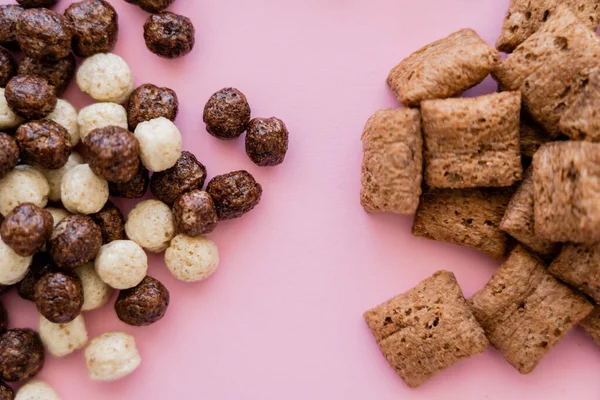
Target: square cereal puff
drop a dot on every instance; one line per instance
(443, 69)
(426, 329)
(525, 17)
(566, 180)
(579, 266)
(392, 165)
(525, 311)
(532, 137)
(591, 325)
(581, 121)
(467, 217)
(472, 142)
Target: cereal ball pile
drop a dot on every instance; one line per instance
(112, 356)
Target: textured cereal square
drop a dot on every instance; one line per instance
(532, 137)
(581, 121)
(443, 69)
(392, 165)
(525, 311)
(591, 325)
(579, 266)
(426, 329)
(472, 142)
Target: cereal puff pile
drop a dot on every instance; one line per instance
(518, 166)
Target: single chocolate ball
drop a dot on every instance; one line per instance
(9, 14)
(267, 141)
(59, 296)
(44, 34)
(148, 102)
(37, 3)
(111, 223)
(9, 156)
(195, 213)
(22, 355)
(152, 6)
(30, 97)
(96, 27)
(143, 304)
(169, 35)
(135, 188)
(40, 266)
(234, 193)
(26, 229)
(187, 174)
(113, 153)
(75, 241)
(8, 66)
(57, 73)
(227, 114)
(44, 143)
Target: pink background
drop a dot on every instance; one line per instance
(282, 317)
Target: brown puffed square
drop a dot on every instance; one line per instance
(591, 325)
(472, 142)
(566, 179)
(525, 311)
(467, 217)
(525, 17)
(532, 137)
(392, 167)
(426, 329)
(581, 121)
(444, 68)
(579, 266)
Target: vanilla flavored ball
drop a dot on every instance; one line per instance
(66, 115)
(37, 390)
(8, 119)
(13, 267)
(96, 293)
(24, 184)
(105, 77)
(112, 356)
(121, 264)
(63, 339)
(192, 259)
(150, 224)
(82, 192)
(58, 214)
(55, 176)
(101, 115)
(160, 143)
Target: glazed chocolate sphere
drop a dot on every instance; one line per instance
(135, 188)
(26, 229)
(9, 14)
(59, 296)
(113, 153)
(195, 213)
(9, 156)
(148, 102)
(44, 34)
(267, 141)
(96, 27)
(44, 143)
(227, 114)
(143, 304)
(57, 73)
(187, 174)
(111, 223)
(30, 97)
(152, 6)
(169, 35)
(74, 241)
(22, 355)
(8, 66)
(37, 3)
(6, 393)
(40, 266)
(234, 194)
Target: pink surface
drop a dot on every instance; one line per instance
(282, 317)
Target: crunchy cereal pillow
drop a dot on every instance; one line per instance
(591, 325)
(579, 266)
(581, 121)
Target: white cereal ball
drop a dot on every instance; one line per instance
(83, 192)
(122, 264)
(24, 184)
(150, 224)
(13, 267)
(100, 115)
(112, 356)
(58, 214)
(37, 390)
(105, 77)
(96, 293)
(66, 115)
(55, 176)
(192, 259)
(160, 143)
(8, 119)
(63, 339)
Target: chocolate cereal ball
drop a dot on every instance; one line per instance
(143, 304)
(135, 188)
(57, 73)
(44, 143)
(30, 97)
(169, 35)
(44, 34)
(40, 266)
(59, 296)
(37, 3)
(187, 174)
(267, 141)
(9, 14)
(22, 355)
(227, 114)
(152, 6)
(74, 241)
(26, 229)
(3, 319)
(234, 193)
(195, 213)
(6, 393)
(8, 66)
(9, 156)
(150, 101)
(111, 223)
(95, 23)
(113, 153)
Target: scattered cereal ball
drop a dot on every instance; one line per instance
(234, 193)
(44, 34)
(111, 223)
(187, 174)
(13, 267)
(30, 97)
(149, 102)
(57, 73)
(26, 229)
(135, 188)
(195, 213)
(96, 293)
(9, 156)
(66, 115)
(59, 296)
(8, 66)
(169, 35)
(37, 3)
(55, 176)
(101, 115)
(143, 304)
(113, 153)
(112, 356)
(40, 266)
(96, 27)
(160, 143)
(9, 14)
(3, 320)
(150, 224)
(8, 119)
(74, 241)
(44, 144)
(6, 393)
(192, 259)
(22, 355)
(121, 264)
(24, 184)
(63, 339)
(152, 6)
(267, 141)
(83, 192)
(106, 77)
(37, 390)
(227, 114)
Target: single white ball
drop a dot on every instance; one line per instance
(112, 356)
(100, 115)
(105, 77)
(13, 267)
(122, 264)
(37, 390)
(192, 259)
(96, 293)
(160, 143)
(83, 192)
(63, 339)
(150, 224)
(24, 184)
(58, 214)
(55, 176)
(66, 115)
(8, 119)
